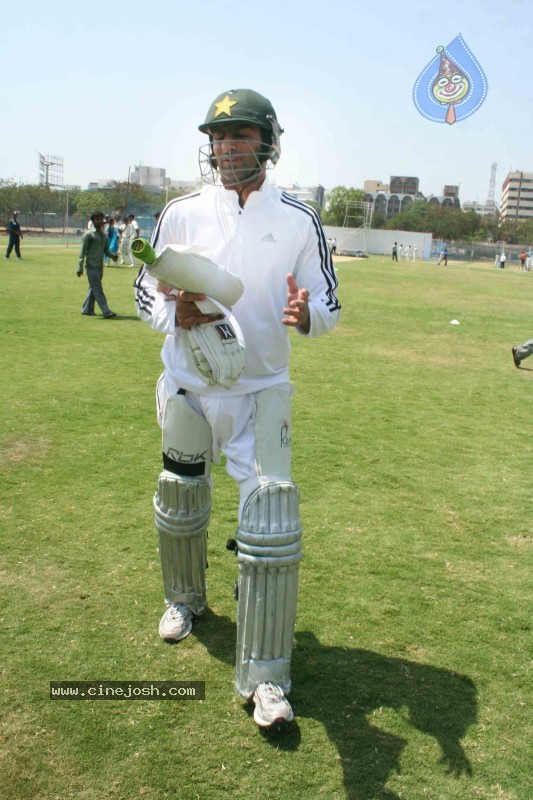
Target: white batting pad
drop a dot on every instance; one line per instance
(182, 507)
(269, 550)
(182, 503)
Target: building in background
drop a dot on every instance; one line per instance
(152, 179)
(448, 199)
(517, 197)
(184, 187)
(396, 196)
(149, 177)
(400, 184)
(486, 209)
(100, 184)
(373, 187)
(310, 194)
(452, 193)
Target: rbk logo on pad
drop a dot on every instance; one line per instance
(186, 458)
(225, 332)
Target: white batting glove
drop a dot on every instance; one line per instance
(217, 350)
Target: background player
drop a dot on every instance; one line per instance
(15, 235)
(277, 246)
(94, 247)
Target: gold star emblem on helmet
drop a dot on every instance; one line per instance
(224, 107)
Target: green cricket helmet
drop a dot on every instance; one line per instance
(246, 106)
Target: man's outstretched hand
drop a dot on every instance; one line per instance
(297, 311)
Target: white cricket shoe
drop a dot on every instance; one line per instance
(176, 622)
(271, 705)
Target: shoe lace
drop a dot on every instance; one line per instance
(272, 693)
(179, 611)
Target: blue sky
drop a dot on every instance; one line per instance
(108, 87)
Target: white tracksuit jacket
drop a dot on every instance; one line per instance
(273, 234)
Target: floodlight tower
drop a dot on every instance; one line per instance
(490, 198)
(50, 170)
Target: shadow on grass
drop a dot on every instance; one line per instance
(349, 691)
(124, 318)
(115, 320)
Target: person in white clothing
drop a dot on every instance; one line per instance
(133, 231)
(127, 232)
(276, 246)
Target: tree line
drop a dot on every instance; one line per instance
(448, 224)
(37, 205)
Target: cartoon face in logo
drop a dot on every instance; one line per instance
(451, 89)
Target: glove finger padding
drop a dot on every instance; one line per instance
(217, 350)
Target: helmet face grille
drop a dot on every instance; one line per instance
(233, 174)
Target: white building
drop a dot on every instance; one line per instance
(149, 177)
(307, 194)
(517, 197)
(486, 209)
(390, 199)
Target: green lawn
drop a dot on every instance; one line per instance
(412, 450)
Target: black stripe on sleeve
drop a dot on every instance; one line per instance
(143, 296)
(157, 229)
(326, 261)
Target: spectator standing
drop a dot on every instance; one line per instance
(93, 248)
(15, 235)
(112, 239)
(135, 232)
(125, 242)
(120, 227)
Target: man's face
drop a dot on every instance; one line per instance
(98, 221)
(236, 148)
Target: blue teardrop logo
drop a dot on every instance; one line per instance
(452, 86)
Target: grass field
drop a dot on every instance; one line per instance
(412, 450)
